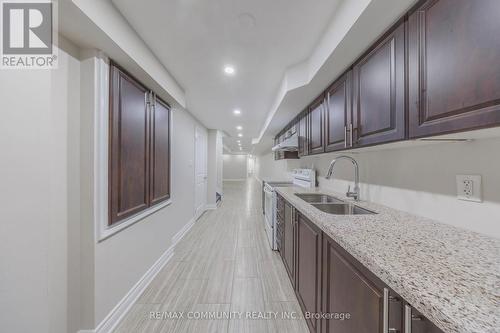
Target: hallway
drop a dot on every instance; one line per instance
(223, 267)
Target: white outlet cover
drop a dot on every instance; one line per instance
(464, 192)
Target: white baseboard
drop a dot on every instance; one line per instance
(178, 236)
(211, 206)
(121, 309)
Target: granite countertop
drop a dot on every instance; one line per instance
(450, 275)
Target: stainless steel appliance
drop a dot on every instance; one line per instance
(302, 178)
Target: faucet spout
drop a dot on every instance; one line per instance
(355, 193)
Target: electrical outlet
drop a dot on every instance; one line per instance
(469, 188)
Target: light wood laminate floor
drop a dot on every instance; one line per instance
(223, 267)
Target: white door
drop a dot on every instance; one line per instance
(200, 170)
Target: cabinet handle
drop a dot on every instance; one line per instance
(408, 319)
(345, 136)
(385, 318)
(351, 133)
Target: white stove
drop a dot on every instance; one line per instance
(302, 178)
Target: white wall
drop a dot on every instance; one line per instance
(38, 120)
(55, 277)
(419, 179)
(117, 263)
(267, 168)
(235, 167)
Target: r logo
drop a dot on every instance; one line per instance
(27, 28)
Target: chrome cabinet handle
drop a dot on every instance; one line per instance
(345, 136)
(385, 318)
(408, 318)
(351, 133)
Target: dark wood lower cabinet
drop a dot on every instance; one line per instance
(308, 277)
(415, 322)
(353, 293)
(336, 293)
(288, 246)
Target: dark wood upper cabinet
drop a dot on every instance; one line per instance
(316, 126)
(338, 113)
(129, 146)
(302, 133)
(289, 241)
(379, 91)
(160, 151)
(348, 287)
(308, 266)
(454, 66)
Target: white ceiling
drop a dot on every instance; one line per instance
(194, 39)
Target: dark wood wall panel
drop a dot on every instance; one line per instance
(139, 147)
(160, 152)
(129, 147)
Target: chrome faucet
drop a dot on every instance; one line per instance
(354, 194)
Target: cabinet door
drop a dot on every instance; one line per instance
(316, 126)
(160, 152)
(415, 322)
(379, 91)
(289, 242)
(454, 66)
(302, 132)
(308, 278)
(129, 147)
(338, 113)
(350, 288)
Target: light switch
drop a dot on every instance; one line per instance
(469, 188)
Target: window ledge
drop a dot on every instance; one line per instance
(108, 231)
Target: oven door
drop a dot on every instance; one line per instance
(270, 208)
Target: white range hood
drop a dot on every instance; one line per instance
(290, 144)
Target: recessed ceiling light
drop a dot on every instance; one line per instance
(237, 112)
(239, 128)
(239, 141)
(240, 135)
(229, 70)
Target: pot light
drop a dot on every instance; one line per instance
(239, 128)
(229, 70)
(237, 112)
(240, 135)
(238, 141)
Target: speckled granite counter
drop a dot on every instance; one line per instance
(450, 275)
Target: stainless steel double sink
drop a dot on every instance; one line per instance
(332, 205)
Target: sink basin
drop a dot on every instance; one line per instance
(318, 198)
(342, 209)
